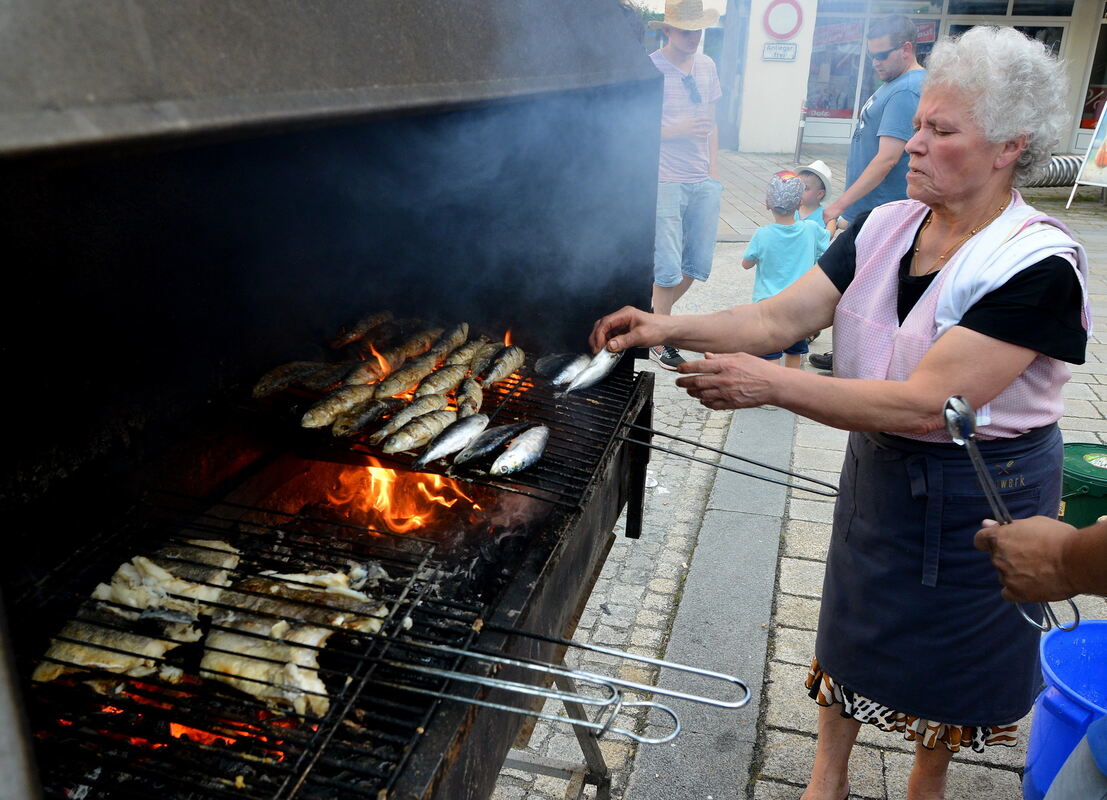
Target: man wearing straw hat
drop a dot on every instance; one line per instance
(687, 190)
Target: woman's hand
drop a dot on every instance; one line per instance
(732, 380)
(628, 327)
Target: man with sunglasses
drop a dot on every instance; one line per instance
(876, 167)
(688, 192)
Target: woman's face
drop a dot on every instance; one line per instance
(950, 160)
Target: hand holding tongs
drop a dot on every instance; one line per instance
(961, 424)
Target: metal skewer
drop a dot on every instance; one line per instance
(961, 424)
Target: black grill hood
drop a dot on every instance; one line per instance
(81, 74)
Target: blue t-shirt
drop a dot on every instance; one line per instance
(783, 253)
(1097, 741)
(889, 112)
(814, 216)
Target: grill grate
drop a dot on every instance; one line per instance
(583, 427)
(102, 734)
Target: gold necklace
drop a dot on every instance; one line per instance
(950, 250)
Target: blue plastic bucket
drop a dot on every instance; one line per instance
(1074, 666)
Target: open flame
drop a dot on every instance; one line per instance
(401, 501)
(507, 338)
(381, 360)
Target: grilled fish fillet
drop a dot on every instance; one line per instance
(181, 579)
(268, 644)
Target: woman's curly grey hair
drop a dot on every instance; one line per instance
(1014, 86)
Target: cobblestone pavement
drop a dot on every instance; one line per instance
(639, 590)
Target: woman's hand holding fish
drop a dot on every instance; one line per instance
(628, 327)
(729, 380)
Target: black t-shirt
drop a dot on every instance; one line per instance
(1039, 308)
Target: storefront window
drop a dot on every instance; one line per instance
(909, 8)
(842, 6)
(1042, 8)
(1096, 97)
(978, 7)
(835, 56)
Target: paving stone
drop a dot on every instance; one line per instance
(793, 646)
(806, 539)
(798, 576)
(811, 510)
(789, 756)
(787, 705)
(797, 612)
(965, 780)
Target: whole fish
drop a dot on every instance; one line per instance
(419, 431)
(464, 354)
(455, 437)
(524, 451)
(562, 368)
(442, 381)
(489, 441)
(450, 339)
(484, 357)
(469, 398)
(364, 413)
(420, 342)
(342, 399)
(407, 377)
(506, 362)
(598, 368)
(372, 369)
(285, 375)
(360, 328)
(324, 379)
(416, 408)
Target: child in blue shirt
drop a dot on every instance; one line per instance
(785, 250)
(816, 181)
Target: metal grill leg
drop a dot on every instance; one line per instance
(593, 771)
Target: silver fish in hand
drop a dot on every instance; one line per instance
(561, 369)
(524, 452)
(598, 368)
(457, 436)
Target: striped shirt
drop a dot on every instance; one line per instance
(686, 160)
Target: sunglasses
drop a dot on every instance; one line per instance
(883, 54)
(690, 84)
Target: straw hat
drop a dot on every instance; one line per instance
(820, 169)
(688, 15)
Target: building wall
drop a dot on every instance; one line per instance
(773, 92)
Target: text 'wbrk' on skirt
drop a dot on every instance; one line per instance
(827, 692)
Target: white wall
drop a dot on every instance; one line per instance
(774, 91)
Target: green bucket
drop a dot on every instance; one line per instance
(1084, 486)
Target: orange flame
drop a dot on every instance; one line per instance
(402, 501)
(178, 731)
(381, 360)
(507, 338)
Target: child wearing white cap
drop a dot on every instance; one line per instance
(816, 180)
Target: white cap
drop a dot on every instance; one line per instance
(820, 169)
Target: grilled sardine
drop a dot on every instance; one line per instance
(484, 357)
(442, 381)
(465, 353)
(324, 379)
(525, 451)
(407, 377)
(506, 362)
(360, 328)
(449, 340)
(364, 413)
(285, 375)
(454, 437)
(419, 431)
(469, 398)
(342, 399)
(490, 441)
(416, 408)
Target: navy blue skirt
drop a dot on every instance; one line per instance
(912, 616)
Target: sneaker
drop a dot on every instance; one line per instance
(667, 357)
(822, 360)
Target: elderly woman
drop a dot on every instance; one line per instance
(961, 289)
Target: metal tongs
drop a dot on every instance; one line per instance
(961, 424)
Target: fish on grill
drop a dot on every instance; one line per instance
(525, 451)
(442, 381)
(483, 357)
(173, 587)
(266, 639)
(407, 377)
(490, 441)
(342, 399)
(324, 379)
(372, 370)
(419, 431)
(464, 354)
(416, 408)
(598, 368)
(360, 328)
(469, 398)
(454, 437)
(561, 369)
(364, 413)
(284, 376)
(450, 340)
(506, 362)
